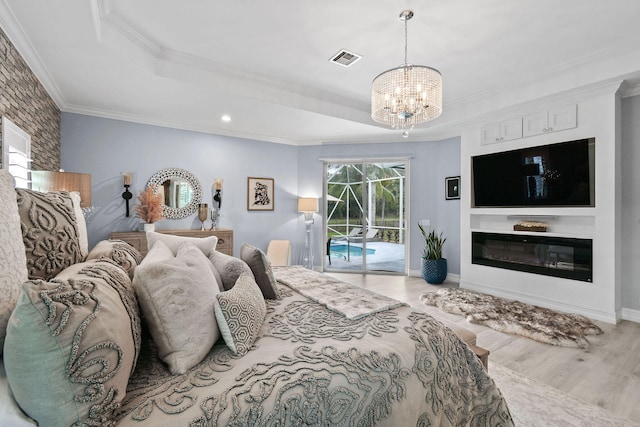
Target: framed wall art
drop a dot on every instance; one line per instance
(260, 195)
(452, 187)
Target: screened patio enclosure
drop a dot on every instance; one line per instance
(365, 223)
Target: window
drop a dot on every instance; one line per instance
(16, 153)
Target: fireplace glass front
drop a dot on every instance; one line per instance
(569, 258)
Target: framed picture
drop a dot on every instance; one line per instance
(452, 187)
(259, 194)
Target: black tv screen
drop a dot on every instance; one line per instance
(561, 174)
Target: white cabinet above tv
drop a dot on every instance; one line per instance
(505, 130)
(553, 120)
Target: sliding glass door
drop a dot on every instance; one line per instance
(365, 223)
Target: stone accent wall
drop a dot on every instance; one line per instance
(24, 101)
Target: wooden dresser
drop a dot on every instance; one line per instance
(138, 239)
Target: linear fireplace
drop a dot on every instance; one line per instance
(569, 258)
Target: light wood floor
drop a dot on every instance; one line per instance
(607, 374)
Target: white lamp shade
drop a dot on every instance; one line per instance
(307, 204)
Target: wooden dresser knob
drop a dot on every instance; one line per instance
(221, 241)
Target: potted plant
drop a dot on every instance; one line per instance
(150, 207)
(434, 267)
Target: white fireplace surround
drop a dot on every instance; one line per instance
(598, 116)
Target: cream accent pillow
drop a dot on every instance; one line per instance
(261, 268)
(205, 244)
(83, 235)
(229, 268)
(13, 267)
(159, 252)
(118, 251)
(72, 345)
(240, 313)
(176, 297)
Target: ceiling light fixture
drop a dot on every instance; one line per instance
(225, 118)
(408, 95)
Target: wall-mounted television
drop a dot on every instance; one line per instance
(561, 174)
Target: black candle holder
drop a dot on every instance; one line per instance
(127, 195)
(218, 198)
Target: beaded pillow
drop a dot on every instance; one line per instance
(72, 344)
(119, 251)
(240, 313)
(261, 268)
(49, 232)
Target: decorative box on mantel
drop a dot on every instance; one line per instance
(138, 239)
(530, 226)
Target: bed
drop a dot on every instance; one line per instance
(380, 364)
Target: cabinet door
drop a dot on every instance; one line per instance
(562, 118)
(490, 133)
(534, 124)
(511, 129)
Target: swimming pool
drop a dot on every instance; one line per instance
(353, 250)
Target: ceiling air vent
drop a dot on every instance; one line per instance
(345, 58)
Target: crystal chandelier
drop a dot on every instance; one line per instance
(408, 95)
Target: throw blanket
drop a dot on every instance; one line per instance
(349, 300)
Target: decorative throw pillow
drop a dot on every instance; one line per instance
(72, 345)
(205, 244)
(83, 235)
(49, 232)
(13, 267)
(240, 313)
(159, 252)
(229, 268)
(119, 251)
(261, 268)
(176, 296)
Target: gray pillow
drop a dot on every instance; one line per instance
(261, 268)
(240, 313)
(176, 296)
(229, 268)
(49, 232)
(72, 344)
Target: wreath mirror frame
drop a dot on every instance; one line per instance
(163, 175)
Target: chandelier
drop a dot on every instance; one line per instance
(408, 95)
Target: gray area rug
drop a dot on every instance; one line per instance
(515, 317)
(533, 403)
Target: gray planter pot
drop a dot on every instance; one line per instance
(434, 271)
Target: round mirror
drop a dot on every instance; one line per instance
(180, 190)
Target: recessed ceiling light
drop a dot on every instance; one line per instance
(225, 118)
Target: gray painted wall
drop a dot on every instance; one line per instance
(631, 203)
(105, 148)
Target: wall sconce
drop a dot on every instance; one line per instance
(217, 189)
(308, 205)
(126, 179)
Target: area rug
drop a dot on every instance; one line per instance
(533, 403)
(515, 317)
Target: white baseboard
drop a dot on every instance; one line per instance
(631, 315)
(450, 277)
